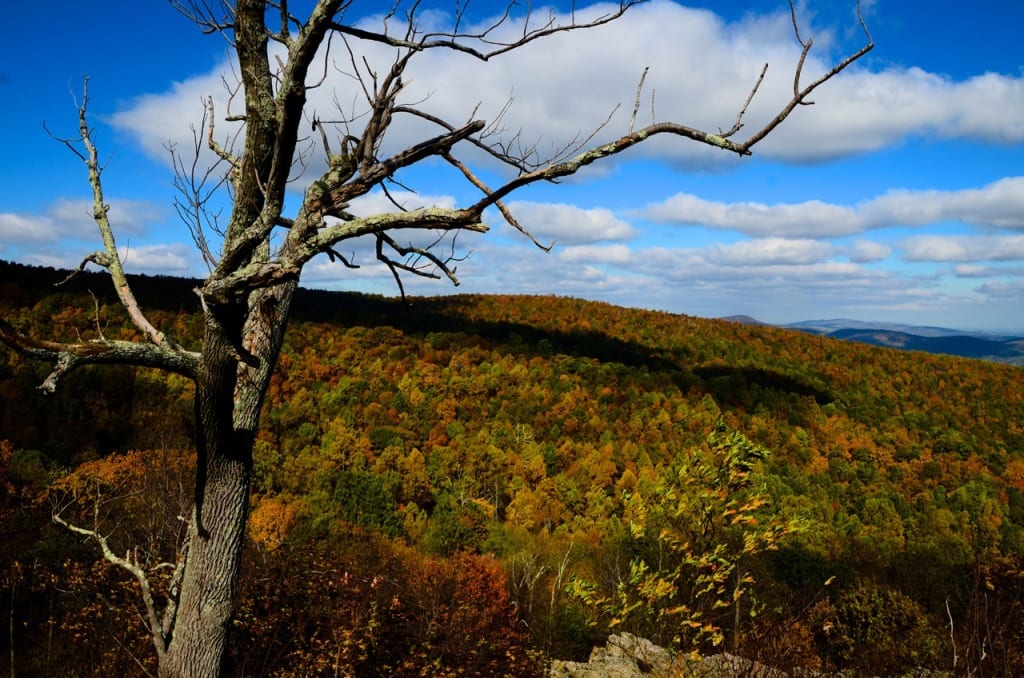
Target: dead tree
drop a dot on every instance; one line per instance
(255, 270)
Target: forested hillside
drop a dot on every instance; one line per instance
(471, 485)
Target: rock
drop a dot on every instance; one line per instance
(627, 656)
(624, 656)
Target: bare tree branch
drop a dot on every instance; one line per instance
(97, 352)
(197, 188)
(636, 101)
(131, 565)
(505, 212)
(110, 258)
(746, 104)
(202, 14)
(355, 173)
(456, 41)
(800, 95)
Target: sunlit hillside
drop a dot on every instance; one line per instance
(471, 485)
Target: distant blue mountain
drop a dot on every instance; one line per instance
(835, 324)
(983, 345)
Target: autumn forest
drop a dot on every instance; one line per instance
(474, 485)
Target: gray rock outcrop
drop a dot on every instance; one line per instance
(627, 656)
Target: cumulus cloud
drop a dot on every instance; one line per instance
(707, 264)
(570, 224)
(770, 252)
(796, 220)
(999, 205)
(167, 259)
(26, 228)
(171, 118)
(772, 279)
(974, 248)
(378, 203)
(866, 252)
(322, 269)
(868, 110)
(613, 254)
(66, 218)
(788, 279)
(174, 259)
(972, 271)
(700, 66)
(1001, 289)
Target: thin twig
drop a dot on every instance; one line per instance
(636, 102)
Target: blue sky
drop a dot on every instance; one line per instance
(898, 196)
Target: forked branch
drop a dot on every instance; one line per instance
(800, 94)
(384, 101)
(111, 259)
(159, 352)
(489, 47)
(69, 356)
(131, 565)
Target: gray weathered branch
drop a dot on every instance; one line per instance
(129, 564)
(112, 259)
(98, 352)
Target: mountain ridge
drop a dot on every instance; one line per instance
(176, 293)
(1007, 348)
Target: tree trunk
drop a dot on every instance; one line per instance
(210, 580)
(229, 395)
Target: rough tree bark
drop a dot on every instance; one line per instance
(247, 296)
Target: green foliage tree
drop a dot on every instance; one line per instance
(361, 498)
(696, 530)
(877, 629)
(456, 524)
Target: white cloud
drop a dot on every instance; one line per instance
(798, 220)
(157, 121)
(999, 289)
(67, 218)
(941, 248)
(169, 259)
(713, 281)
(52, 259)
(866, 252)
(770, 252)
(999, 205)
(701, 69)
(787, 280)
(378, 203)
(986, 107)
(972, 271)
(322, 269)
(936, 248)
(613, 254)
(707, 264)
(570, 224)
(26, 228)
